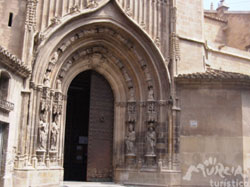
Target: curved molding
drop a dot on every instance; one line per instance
(44, 53)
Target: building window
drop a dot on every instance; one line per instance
(4, 85)
(10, 19)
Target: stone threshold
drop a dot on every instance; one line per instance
(92, 184)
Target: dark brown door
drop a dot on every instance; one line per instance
(89, 129)
(100, 142)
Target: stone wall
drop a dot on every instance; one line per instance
(211, 132)
(229, 27)
(12, 37)
(191, 57)
(238, 35)
(213, 30)
(190, 23)
(228, 59)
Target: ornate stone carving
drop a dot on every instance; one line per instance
(151, 111)
(129, 12)
(53, 60)
(157, 42)
(30, 21)
(92, 4)
(46, 92)
(57, 109)
(74, 9)
(131, 111)
(46, 81)
(130, 140)
(67, 65)
(55, 21)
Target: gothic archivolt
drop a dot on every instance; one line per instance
(139, 82)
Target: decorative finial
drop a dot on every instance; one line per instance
(212, 6)
(222, 5)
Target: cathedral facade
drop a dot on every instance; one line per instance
(144, 93)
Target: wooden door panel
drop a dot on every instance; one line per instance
(100, 143)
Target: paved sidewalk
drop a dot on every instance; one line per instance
(91, 184)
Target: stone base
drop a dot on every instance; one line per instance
(38, 178)
(148, 178)
(130, 159)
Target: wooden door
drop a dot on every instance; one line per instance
(100, 145)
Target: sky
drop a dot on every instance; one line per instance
(243, 5)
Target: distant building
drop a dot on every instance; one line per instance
(147, 92)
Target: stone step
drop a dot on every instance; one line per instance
(92, 184)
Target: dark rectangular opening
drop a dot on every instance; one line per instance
(10, 19)
(4, 129)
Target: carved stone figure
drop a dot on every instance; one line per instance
(42, 134)
(67, 65)
(131, 94)
(151, 140)
(54, 57)
(46, 81)
(54, 133)
(59, 84)
(125, 74)
(150, 93)
(130, 140)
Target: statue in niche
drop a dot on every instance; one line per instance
(54, 133)
(42, 132)
(151, 139)
(130, 140)
(67, 65)
(150, 93)
(131, 112)
(146, 71)
(126, 76)
(131, 94)
(54, 58)
(59, 84)
(46, 81)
